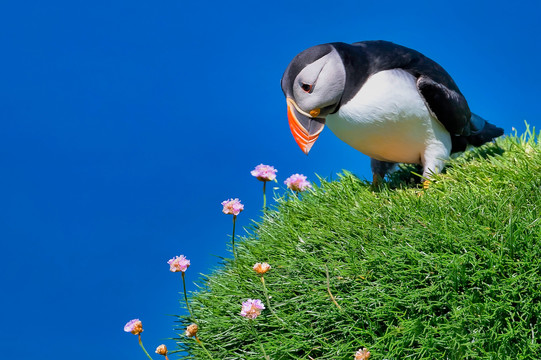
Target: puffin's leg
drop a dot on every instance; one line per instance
(435, 155)
(379, 170)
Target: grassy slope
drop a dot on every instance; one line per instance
(451, 272)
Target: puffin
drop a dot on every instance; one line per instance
(385, 100)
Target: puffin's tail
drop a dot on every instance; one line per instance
(481, 132)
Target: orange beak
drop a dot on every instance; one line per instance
(304, 127)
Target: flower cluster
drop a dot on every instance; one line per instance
(232, 207)
(264, 172)
(179, 263)
(297, 182)
(252, 308)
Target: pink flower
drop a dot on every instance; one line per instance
(264, 172)
(297, 182)
(134, 326)
(252, 308)
(179, 263)
(362, 354)
(232, 206)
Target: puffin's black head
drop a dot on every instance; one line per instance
(313, 84)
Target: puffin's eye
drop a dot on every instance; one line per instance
(306, 87)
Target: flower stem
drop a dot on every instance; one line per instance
(329, 289)
(233, 237)
(258, 340)
(268, 300)
(142, 347)
(186, 297)
(264, 196)
(203, 346)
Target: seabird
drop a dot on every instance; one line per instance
(389, 102)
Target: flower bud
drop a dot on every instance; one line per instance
(191, 330)
(261, 268)
(134, 326)
(161, 350)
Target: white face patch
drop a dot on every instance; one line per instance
(325, 78)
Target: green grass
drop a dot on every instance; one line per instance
(450, 272)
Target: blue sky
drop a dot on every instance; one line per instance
(126, 123)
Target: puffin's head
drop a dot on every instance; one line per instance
(313, 84)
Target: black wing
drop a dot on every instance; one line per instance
(449, 106)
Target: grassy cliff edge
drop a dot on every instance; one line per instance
(448, 272)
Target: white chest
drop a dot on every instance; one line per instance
(387, 119)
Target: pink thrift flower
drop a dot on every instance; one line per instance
(252, 308)
(297, 182)
(179, 263)
(134, 326)
(362, 354)
(264, 172)
(232, 206)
